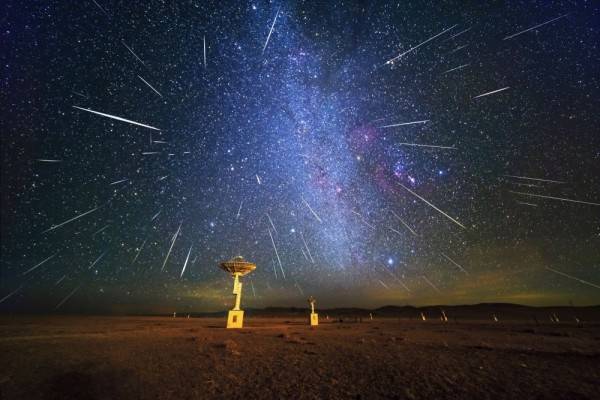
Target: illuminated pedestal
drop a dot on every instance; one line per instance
(235, 319)
(314, 317)
(237, 267)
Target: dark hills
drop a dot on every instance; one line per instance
(483, 311)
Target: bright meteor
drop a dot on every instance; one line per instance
(117, 118)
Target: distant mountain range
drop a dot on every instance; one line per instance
(483, 311)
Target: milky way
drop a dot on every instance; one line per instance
(362, 153)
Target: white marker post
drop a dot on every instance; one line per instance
(314, 317)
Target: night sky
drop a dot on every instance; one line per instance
(365, 153)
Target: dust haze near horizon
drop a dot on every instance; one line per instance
(364, 153)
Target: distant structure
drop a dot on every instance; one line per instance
(443, 317)
(314, 317)
(423, 317)
(237, 267)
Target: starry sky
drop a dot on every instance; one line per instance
(366, 153)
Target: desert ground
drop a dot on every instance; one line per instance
(90, 357)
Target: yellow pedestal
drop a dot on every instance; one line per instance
(314, 319)
(235, 319)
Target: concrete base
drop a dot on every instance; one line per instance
(235, 319)
(314, 319)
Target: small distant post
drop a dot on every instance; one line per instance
(314, 317)
(444, 318)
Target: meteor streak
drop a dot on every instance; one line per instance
(434, 207)
(525, 184)
(276, 253)
(186, 261)
(101, 8)
(395, 231)
(456, 68)
(171, 248)
(570, 277)
(48, 160)
(391, 61)
(98, 259)
(274, 269)
(204, 49)
(304, 254)
(363, 219)
(556, 198)
(150, 86)
(405, 123)
(428, 145)
(430, 284)
(117, 118)
(63, 301)
(311, 210)
(396, 278)
(458, 48)
(534, 27)
(131, 51)
(455, 263)
(492, 92)
(404, 286)
(533, 179)
(101, 230)
(458, 34)
(405, 224)
(79, 94)
(527, 204)
(271, 222)
(137, 254)
(239, 209)
(53, 227)
(307, 249)
(11, 294)
(270, 31)
(383, 284)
